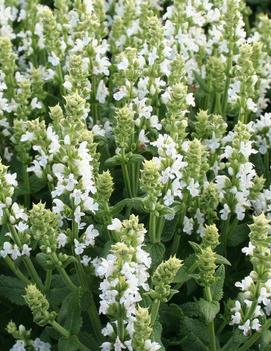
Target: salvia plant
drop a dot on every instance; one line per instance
(135, 181)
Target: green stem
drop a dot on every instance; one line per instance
(62, 331)
(152, 227)
(154, 311)
(63, 273)
(26, 260)
(126, 179)
(48, 280)
(211, 326)
(16, 270)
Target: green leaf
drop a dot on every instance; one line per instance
(70, 313)
(201, 82)
(194, 335)
(217, 287)
(187, 269)
(208, 309)
(156, 334)
(68, 344)
(113, 161)
(196, 247)
(136, 202)
(58, 291)
(222, 260)
(156, 251)
(12, 289)
(238, 235)
(135, 158)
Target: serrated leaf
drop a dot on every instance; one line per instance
(156, 251)
(217, 287)
(208, 309)
(238, 235)
(12, 289)
(194, 335)
(68, 344)
(70, 312)
(58, 291)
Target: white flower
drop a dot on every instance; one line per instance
(123, 65)
(85, 260)
(224, 213)
(67, 85)
(236, 318)
(120, 94)
(193, 188)
(106, 346)
(15, 252)
(26, 250)
(115, 225)
(41, 346)
(53, 59)
(245, 327)
(248, 250)
(18, 346)
(255, 325)
(102, 92)
(78, 214)
(78, 247)
(151, 345)
(190, 100)
(36, 104)
(188, 225)
(118, 345)
(11, 179)
(61, 240)
(90, 235)
(18, 212)
(245, 283)
(107, 330)
(6, 250)
(251, 105)
(28, 136)
(21, 227)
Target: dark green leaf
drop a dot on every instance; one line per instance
(156, 251)
(238, 235)
(70, 313)
(68, 344)
(12, 289)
